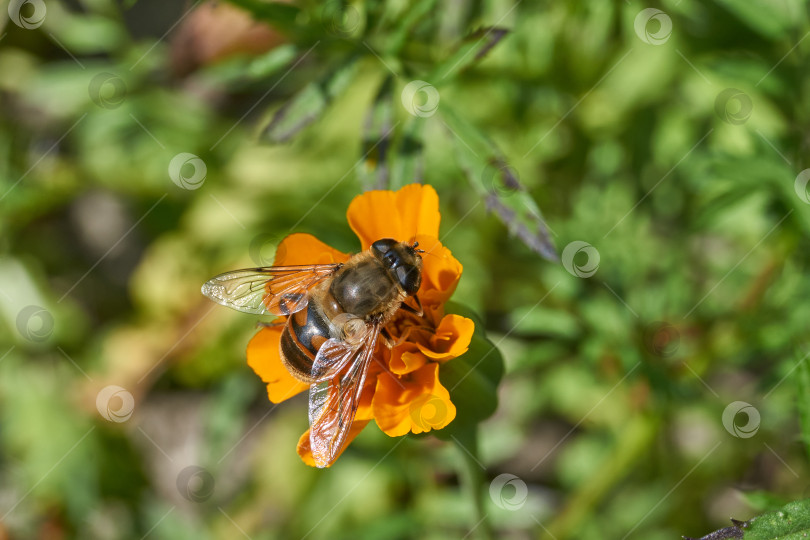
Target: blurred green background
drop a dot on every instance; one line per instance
(663, 143)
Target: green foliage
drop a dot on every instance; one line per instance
(662, 170)
(308, 104)
(497, 184)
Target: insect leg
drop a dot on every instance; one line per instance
(409, 309)
(387, 338)
(273, 324)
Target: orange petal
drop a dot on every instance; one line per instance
(305, 451)
(451, 340)
(416, 402)
(263, 356)
(302, 248)
(401, 215)
(406, 358)
(440, 270)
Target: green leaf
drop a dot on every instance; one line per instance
(497, 183)
(460, 309)
(89, 34)
(405, 24)
(472, 380)
(791, 522)
(472, 49)
(270, 62)
(308, 104)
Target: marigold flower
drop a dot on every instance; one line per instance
(402, 392)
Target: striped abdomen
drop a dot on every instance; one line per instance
(305, 332)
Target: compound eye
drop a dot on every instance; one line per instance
(409, 278)
(383, 246)
(392, 259)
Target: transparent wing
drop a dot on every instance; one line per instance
(340, 370)
(280, 290)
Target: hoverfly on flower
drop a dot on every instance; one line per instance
(364, 333)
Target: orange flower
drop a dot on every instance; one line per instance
(402, 392)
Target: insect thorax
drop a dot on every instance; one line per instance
(366, 289)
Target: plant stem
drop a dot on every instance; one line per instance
(472, 472)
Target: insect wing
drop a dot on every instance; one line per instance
(341, 370)
(280, 290)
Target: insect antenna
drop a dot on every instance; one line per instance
(429, 253)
